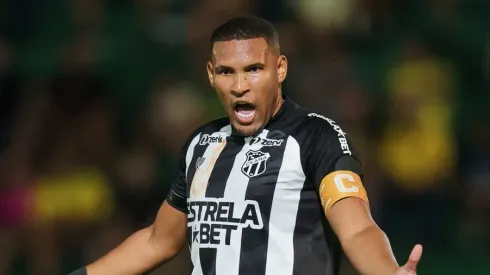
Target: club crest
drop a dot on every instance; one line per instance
(255, 164)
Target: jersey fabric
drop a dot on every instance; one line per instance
(256, 205)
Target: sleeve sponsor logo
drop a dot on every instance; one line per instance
(340, 134)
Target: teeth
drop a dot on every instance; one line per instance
(246, 115)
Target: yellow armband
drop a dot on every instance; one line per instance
(339, 185)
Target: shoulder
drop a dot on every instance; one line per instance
(319, 131)
(320, 121)
(318, 124)
(214, 126)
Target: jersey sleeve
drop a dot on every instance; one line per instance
(177, 196)
(333, 165)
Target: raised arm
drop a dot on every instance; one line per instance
(146, 249)
(151, 246)
(364, 243)
(336, 171)
(345, 202)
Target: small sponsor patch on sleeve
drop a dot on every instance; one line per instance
(339, 185)
(341, 135)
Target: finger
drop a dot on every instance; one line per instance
(414, 258)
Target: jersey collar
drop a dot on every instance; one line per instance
(288, 107)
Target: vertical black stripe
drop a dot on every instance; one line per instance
(189, 241)
(261, 189)
(191, 170)
(222, 168)
(216, 189)
(311, 248)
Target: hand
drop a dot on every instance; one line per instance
(410, 268)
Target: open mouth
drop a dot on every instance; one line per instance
(245, 112)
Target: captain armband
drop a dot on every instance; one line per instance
(339, 185)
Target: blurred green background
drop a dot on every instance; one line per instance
(98, 96)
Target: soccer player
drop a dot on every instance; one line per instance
(271, 189)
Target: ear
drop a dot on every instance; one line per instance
(282, 68)
(210, 70)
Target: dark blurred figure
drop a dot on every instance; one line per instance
(418, 150)
(72, 187)
(10, 98)
(66, 188)
(146, 166)
(475, 226)
(10, 93)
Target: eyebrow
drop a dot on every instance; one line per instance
(248, 67)
(254, 65)
(221, 68)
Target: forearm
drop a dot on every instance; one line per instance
(370, 252)
(136, 255)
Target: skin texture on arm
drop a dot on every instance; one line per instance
(346, 205)
(364, 243)
(334, 168)
(147, 248)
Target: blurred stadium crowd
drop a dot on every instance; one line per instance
(97, 96)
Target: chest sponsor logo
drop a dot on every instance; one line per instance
(208, 139)
(255, 163)
(267, 142)
(212, 221)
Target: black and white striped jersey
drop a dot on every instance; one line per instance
(253, 203)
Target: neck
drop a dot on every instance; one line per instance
(278, 104)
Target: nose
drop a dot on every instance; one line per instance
(240, 85)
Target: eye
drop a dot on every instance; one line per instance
(224, 71)
(255, 69)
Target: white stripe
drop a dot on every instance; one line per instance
(190, 152)
(226, 130)
(290, 181)
(201, 179)
(228, 257)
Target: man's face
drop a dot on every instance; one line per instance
(247, 75)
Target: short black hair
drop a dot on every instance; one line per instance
(246, 27)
